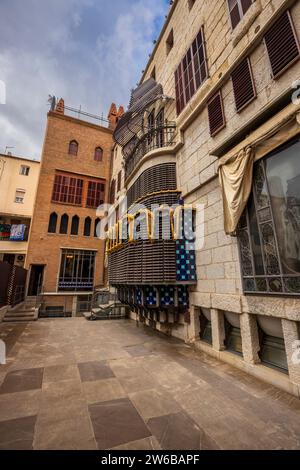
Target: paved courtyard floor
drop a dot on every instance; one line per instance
(74, 384)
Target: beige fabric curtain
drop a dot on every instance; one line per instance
(236, 171)
(236, 184)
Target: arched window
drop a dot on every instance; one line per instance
(87, 227)
(73, 147)
(52, 223)
(75, 225)
(64, 222)
(98, 156)
(97, 228)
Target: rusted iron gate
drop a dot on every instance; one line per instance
(12, 284)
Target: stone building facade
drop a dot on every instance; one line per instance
(65, 257)
(228, 73)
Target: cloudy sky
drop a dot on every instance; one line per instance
(90, 52)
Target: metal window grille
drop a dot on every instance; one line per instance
(77, 270)
(265, 269)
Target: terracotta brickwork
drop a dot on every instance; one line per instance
(45, 248)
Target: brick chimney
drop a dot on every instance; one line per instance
(113, 116)
(60, 107)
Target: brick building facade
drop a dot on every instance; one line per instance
(65, 257)
(227, 72)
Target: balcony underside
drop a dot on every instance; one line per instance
(159, 303)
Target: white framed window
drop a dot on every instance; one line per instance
(20, 195)
(24, 170)
(237, 9)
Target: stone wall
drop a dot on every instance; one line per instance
(219, 287)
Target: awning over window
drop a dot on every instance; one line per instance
(131, 123)
(236, 170)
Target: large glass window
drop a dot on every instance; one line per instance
(95, 195)
(191, 72)
(67, 190)
(269, 230)
(77, 270)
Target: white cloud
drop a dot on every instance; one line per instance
(90, 52)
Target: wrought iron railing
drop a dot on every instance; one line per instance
(156, 137)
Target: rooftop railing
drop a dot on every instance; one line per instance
(87, 117)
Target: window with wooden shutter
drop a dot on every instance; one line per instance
(237, 9)
(282, 44)
(119, 181)
(243, 84)
(67, 190)
(180, 98)
(112, 192)
(216, 114)
(191, 72)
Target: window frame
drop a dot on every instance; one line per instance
(53, 220)
(96, 158)
(26, 168)
(72, 143)
(293, 61)
(191, 3)
(217, 130)
(95, 188)
(73, 282)
(187, 75)
(75, 223)
(239, 110)
(240, 9)
(64, 219)
(64, 192)
(19, 191)
(170, 41)
(119, 182)
(246, 228)
(87, 228)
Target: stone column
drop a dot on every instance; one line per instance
(218, 329)
(250, 338)
(74, 306)
(194, 327)
(291, 336)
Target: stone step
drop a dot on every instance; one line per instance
(19, 319)
(21, 315)
(15, 318)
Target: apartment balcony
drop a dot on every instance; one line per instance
(157, 137)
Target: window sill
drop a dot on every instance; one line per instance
(248, 19)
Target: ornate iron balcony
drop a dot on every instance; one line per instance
(155, 138)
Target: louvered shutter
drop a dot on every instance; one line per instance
(216, 114)
(243, 84)
(246, 4)
(282, 44)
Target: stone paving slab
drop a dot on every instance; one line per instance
(74, 384)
